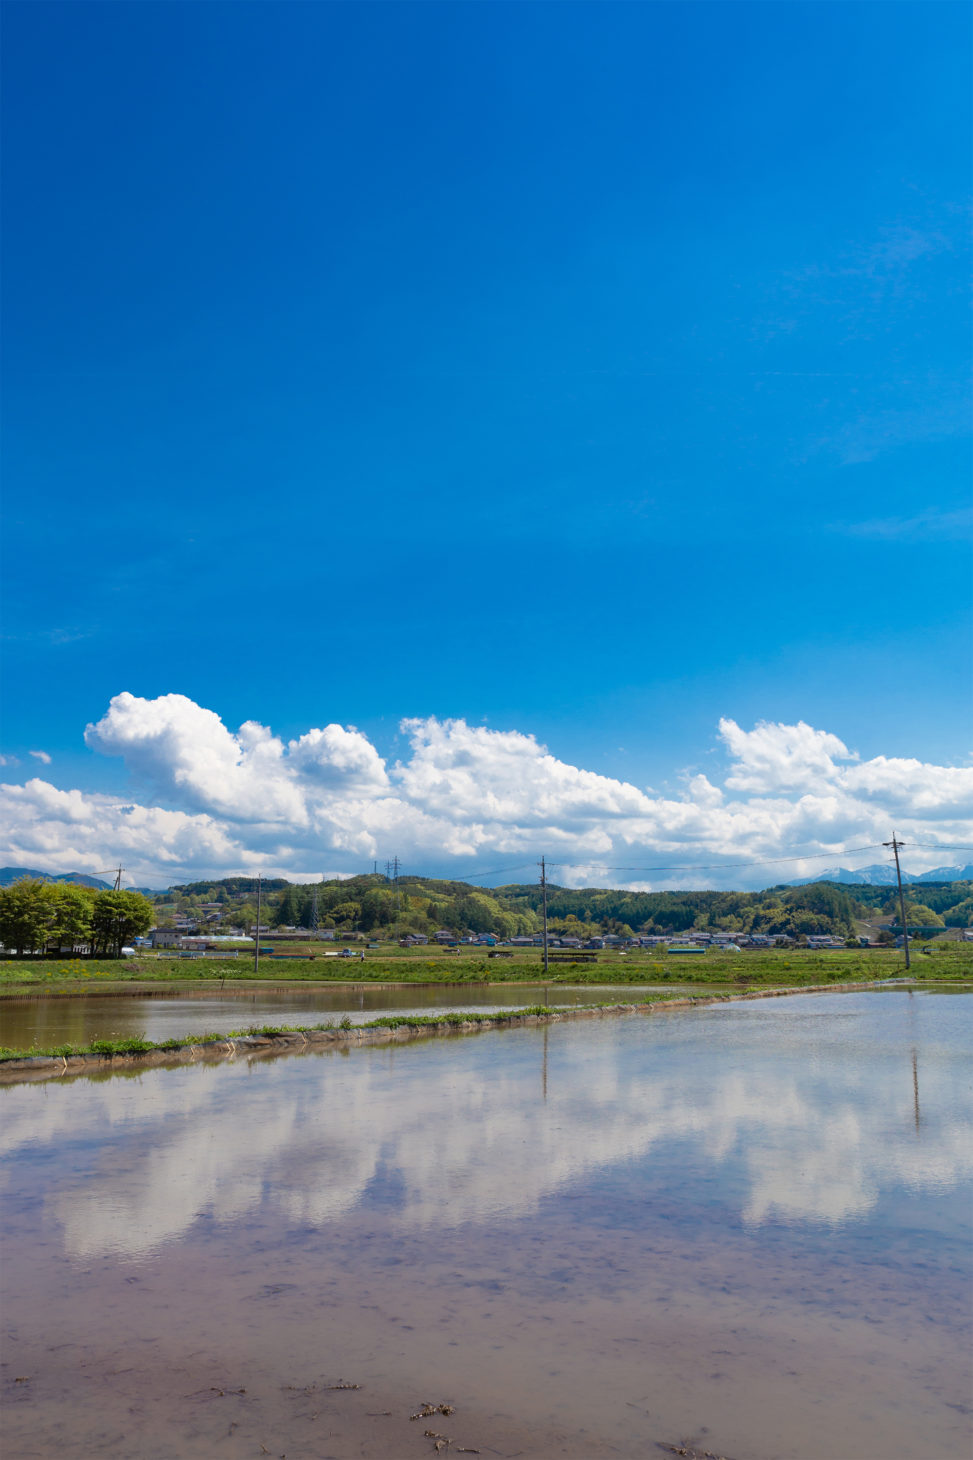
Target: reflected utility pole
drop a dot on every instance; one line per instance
(894, 844)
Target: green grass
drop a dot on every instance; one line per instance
(131, 1044)
(947, 961)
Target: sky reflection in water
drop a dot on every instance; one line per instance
(817, 1112)
(747, 1224)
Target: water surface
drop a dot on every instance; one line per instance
(80, 1018)
(744, 1228)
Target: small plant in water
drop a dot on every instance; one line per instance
(345, 1022)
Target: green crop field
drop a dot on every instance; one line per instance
(944, 962)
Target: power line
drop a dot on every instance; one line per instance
(695, 866)
(495, 872)
(722, 866)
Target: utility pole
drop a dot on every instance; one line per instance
(118, 936)
(256, 941)
(895, 844)
(544, 900)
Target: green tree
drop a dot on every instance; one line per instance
(246, 916)
(918, 915)
(26, 915)
(346, 912)
(118, 917)
(288, 911)
(72, 909)
(961, 915)
(833, 905)
(377, 908)
(479, 913)
(802, 922)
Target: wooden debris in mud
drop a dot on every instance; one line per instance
(315, 1389)
(426, 1409)
(690, 1453)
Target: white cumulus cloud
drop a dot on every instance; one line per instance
(781, 757)
(209, 800)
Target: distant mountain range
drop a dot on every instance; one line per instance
(80, 879)
(882, 874)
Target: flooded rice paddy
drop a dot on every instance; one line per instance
(740, 1229)
(80, 1018)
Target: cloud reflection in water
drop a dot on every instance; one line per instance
(804, 1117)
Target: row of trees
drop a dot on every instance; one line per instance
(818, 908)
(39, 916)
(388, 910)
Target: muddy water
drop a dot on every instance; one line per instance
(742, 1229)
(78, 1019)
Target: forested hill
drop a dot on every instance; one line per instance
(9, 875)
(375, 905)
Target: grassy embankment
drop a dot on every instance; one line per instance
(133, 1044)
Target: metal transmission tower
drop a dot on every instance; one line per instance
(895, 844)
(392, 870)
(314, 909)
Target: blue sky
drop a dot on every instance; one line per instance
(586, 372)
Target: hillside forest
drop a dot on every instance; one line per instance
(375, 906)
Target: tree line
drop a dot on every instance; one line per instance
(37, 917)
(372, 904)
